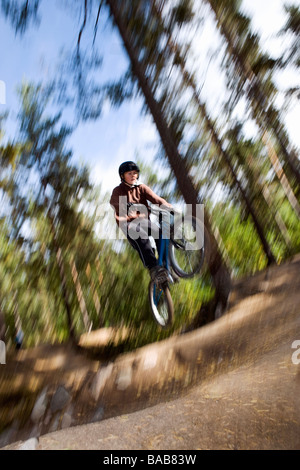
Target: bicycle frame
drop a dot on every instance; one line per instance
(160, 298)
(163, 260)
(163, 255)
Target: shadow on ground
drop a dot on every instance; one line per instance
(236, 376)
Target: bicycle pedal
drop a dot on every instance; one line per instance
(162, 281)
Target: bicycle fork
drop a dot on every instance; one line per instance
(163, 260)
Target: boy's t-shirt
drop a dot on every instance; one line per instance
(124, 194)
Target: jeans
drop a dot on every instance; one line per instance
(137, 233)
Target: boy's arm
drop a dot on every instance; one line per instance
(154, 198)
(123, 210)
(115, 203)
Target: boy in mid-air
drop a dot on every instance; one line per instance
(125, 200)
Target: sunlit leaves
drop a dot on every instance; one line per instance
(9, 155)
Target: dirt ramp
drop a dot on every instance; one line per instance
(75, 391)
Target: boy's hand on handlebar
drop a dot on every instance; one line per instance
(169, 208)
(134, 215)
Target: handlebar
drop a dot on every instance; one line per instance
(158, 210)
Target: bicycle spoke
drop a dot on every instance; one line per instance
(186, 259)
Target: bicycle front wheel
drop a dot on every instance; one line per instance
(186, 250)
(161, 304)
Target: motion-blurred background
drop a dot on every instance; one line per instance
(204, 94)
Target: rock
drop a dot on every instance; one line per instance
(66, 421)
(7, 436)
(30, 444)
(54, 425)
(124, 378)
(150, 360)
(60, 399)
(67, 417)
(98, 415)
(100, 380)
(40, 406)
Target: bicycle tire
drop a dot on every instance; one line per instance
(161, 304)
(184, 261)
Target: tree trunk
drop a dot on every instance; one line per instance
(2, 326)
(269, 201)
(226, 158)
(80, 297)
(267, 249)
(281, 174)
(224, 154)
(255, 93)
(215, 139)
(63, 282)
(65, 294)
(95, 297)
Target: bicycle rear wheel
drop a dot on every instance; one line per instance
(186, 253)
(161, 304)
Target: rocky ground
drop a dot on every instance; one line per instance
(233, 384)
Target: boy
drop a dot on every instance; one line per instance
(127, 199)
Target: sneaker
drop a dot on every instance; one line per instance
(159, 274)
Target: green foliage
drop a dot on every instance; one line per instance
(242, 244)
(57, 264)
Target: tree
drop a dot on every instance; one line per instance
(55, 188)
(210, 129)
(252, 70)
(20, 13)
(218, 269)
(292, 26)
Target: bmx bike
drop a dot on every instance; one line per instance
(179, 255)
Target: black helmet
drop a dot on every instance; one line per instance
(128, 166)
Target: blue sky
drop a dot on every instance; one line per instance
(120, 134)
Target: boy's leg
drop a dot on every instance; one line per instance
(147, 254)
(145, 251)
(143, 245)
